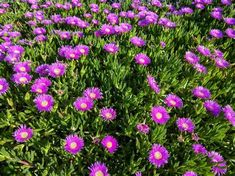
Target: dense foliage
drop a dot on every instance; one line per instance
(95, 88)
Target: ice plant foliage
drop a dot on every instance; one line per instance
(117, 87)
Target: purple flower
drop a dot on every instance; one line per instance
(107, 29)
(43, 81)
(229, 114)
(190, 173)
(159, 115)
(44, 102)
(220, 169)
(83, 104)
(221, 63)
(22, 134)
(57, 69)
(158, 155)
(41, 38)
(39, 88)
(93, 93)
(226, 2)
(213, 107)
(138, 174)
(22, 67)
(216, 33)
(4, 86)
(173, 100)
(203, 50)
(73, 144)
(143, 128)
(230, 33)
(201, 92)
(142, 59)
(82, 49)
(200, 68)
(108, 113)
(185, 124)
(39, 31)
(98, 169)
(191, 57)
(199, 149)
(162, 44)
(137, 41)
(217, 13)
(42, 70)
(111, 48)
(112, 18)
(15, 50)
(110, 143)
(215, 157)
(21, 78)
(153, 84)
(230, 21)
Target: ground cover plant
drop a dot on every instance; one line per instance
(105, 88)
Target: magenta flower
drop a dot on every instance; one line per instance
(221, 63)
(220, 169)
(21, 78)
(107, 29)
(138, 174)
(143, 128)
(201, 92)
(98, 169)
(108, 114)
(4, 86)
(43, 81)
(216, 33)
(93, 92)
(22, 134)
(229, 114)
(39, 88)
(153, 84)
(57, 69)
(159, 115)
(215, 157)
(142, 59)
(82, 49)
(111, 48)
(203, 50)
(213, 107)
(191, 57)
(200, 68)
(173, 101)
(110, 143)
(185, 124)
(230, 21)
(199, 149)
(73, 144)
(83, 104)
(44, 102)
(22, 67)
(230, 32)
(42, 70)
(158, 155)
(137, 41)
(190, 173)
(226, 2)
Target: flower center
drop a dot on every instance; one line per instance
(172, 102)
(44, 103)
(159, 115)
(108, 115)
(73, 145)
(185, 126)
(99, 173)
(57, 71)
(92, 95)
(1, 87)
(24, 135)
(23, 79)
(142, 60)
(72, 55)
(39, 90)
(157, 155)
(22, 69)
(200, 93)
(107, 30)
(17, 51)
(109, 144)
(82, 50)
(83, 105)
(111, 49)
